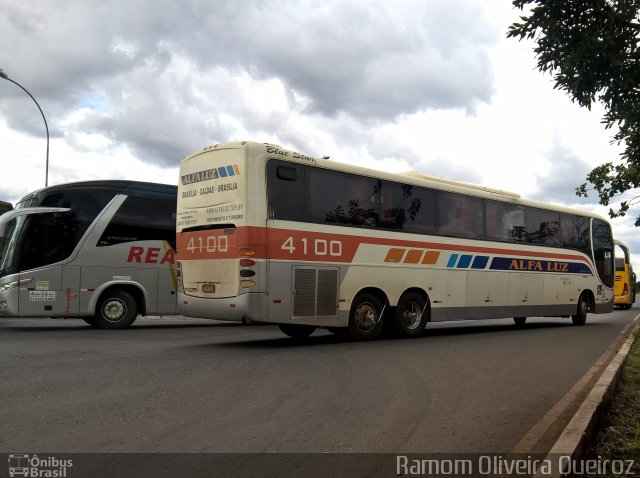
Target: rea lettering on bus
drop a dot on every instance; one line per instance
(151, 255)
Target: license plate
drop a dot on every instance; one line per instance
(208, 288)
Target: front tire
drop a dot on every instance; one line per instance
(365, 317)
(116, 309)
(411, 315)
(519, 321)
(580, 317)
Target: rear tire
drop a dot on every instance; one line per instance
(365, 317)
(91, 321)
(411, 315)
(580, 317)
(519, 321)
(116, 309)
(297, 331)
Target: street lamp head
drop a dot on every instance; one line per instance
(3, 74)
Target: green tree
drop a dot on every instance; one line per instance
(591, 49)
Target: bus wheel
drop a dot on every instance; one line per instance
(411, 315)
(365, 317)
(297, 331)
(91, 321)
(116, 309)
(580, 318)
(519, 321)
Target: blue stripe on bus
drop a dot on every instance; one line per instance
(534, 265)
(223, 172)
(480, 262)
(230, 171)
(452, 260)
(465, 261)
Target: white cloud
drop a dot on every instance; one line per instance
(131, 87)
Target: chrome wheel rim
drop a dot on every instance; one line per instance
(365, 316)
(114, 310)
(412, 315)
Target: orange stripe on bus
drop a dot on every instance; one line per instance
(293, 244)
(431, 257)
(394, 255)
(413, 256)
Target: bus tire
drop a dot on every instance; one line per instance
(365, 317)
(580, 317)
(91, 321)
(519, 321)
(116, 309)
(297, 331)
(411, 315)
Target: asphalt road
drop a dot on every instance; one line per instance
(201, 386)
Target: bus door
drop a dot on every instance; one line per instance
(53, 291)
(33, 246)
(53, 287)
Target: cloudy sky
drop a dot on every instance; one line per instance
(130, 87)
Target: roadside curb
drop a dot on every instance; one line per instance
(585, 423)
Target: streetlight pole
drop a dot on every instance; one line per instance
(6, 77)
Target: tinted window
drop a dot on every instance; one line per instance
(49, 238)
(85, 204)
(460, 216)
(543, 227)
(574, 231)
(504, 222)
(404, 207)
(142, 219)
(286, 191)
(342, 198)
(603, 251)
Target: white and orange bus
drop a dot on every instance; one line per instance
(265, 234)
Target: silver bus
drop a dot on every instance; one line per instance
(102, 251)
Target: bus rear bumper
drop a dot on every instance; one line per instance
(242, 308)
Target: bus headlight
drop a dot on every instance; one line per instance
(13, 284)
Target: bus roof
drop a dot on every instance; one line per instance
(270, 150)
(122, 185)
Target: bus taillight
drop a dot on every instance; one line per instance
(246, 268)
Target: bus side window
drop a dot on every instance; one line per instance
(575, 232)
(405, 207)
(460, 216)
(286, 191)
(504, 222)
(141, 219)
(342, 198)
(542, 226)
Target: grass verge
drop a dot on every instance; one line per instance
(619, 438)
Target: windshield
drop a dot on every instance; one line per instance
(9, 232)
(21, 235)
